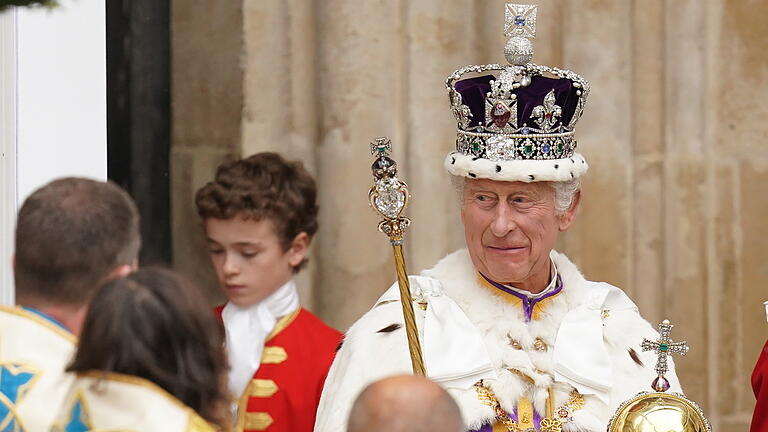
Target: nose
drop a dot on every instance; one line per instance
(230, 266)
(503, 220)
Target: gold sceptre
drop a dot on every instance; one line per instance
(389, 197)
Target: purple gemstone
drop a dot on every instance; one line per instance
(660, 384)
(546, 148)
(525, 131)
(519, 20)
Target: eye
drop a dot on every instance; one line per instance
(249, 253)
(522, 201)
(215, 251)
(484, 198)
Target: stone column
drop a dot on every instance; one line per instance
(207, 102)
(280, 104)
(360, 59)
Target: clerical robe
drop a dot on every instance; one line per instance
(103, 401)
(285, 390)
(34, 351)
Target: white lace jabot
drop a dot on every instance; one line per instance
(247, 330)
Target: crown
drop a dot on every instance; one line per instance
(517, 124)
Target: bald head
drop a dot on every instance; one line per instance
(405, 403)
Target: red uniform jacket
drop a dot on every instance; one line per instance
(760, 387)
(285, 391)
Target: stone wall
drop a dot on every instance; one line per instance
(674, 202)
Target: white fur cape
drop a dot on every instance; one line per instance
(368, 355)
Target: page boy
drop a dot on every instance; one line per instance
(260, 214)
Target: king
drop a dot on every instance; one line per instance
(508, 326)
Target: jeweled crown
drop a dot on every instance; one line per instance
(525, 112)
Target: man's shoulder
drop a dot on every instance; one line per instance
(19, 322)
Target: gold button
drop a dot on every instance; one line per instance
(540, 345)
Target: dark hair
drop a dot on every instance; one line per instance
(70, 234)
(155, 325)
(263, 186)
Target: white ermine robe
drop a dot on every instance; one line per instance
(586, 338)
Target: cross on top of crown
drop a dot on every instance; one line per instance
(664, 347)
(519, 20)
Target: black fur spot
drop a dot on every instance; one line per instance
(582, 161)
(390, 328)
(453, 160)
(572, 161)
(557, 166)
(498, 168)
(341, 342)
(571, 174)
(530, 176)
(635, 357)
(473, 175)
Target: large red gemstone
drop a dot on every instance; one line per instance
(500, 115)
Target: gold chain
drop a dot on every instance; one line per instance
(549, 424)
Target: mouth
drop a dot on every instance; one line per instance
(507, 250)
(233, 287)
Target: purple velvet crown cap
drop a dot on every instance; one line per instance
(474, 91)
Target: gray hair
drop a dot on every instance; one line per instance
(565, 191)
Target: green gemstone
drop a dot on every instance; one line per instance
(381, 149)
(560, 148)
(663, 347)
(475, 146)
(528, 149)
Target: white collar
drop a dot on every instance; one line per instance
(552, 284)
(247, 330)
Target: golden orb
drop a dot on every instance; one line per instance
(659, 412)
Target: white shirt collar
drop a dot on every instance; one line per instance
(552, 284)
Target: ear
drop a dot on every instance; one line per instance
(299, 248)
(565, 220)
(121, 271)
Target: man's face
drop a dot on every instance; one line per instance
(249, 259)
(510, 228)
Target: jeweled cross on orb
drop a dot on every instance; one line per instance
(664, 347)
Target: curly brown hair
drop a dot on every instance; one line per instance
(260, 187)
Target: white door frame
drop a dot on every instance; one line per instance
(8, 142)
(52, 106)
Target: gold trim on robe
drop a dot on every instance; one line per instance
(258, 420)
(274, 355)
